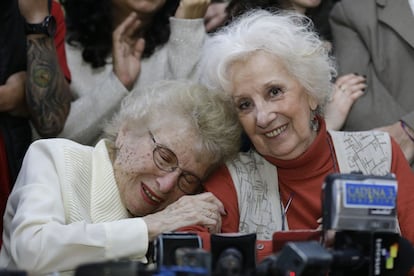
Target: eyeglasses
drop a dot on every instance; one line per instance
(166, 160)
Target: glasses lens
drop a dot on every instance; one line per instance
(165, 159)
(189, 183)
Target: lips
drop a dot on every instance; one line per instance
(276, 131)
(150, 196)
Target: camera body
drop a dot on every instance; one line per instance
(167, 244)
(303, 258)
(181, 253)
(357, 202)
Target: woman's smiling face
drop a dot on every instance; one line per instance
(273, 106)
(145, 188)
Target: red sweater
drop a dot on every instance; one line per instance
(59, 38)
(303, 177)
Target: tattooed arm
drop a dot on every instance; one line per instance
(47, 91)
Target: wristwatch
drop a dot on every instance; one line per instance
(47, 27)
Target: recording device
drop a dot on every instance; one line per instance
(297, 258)
(181, 253)
(357, 202)
(361, 210)
(280, 238)
(233, 254)
(167, 244)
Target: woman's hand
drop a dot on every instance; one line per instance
(127, 50)
(215, 16)
(192, 9)
(348, 88)
(202, 209)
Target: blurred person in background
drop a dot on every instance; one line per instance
(116, 45)
(375, 38)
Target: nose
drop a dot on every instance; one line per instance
(168, 180)
(265, 114)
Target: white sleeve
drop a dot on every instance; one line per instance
(37, 237)
(184, 47)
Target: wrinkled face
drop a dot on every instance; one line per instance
(144, 188)
(273, 106)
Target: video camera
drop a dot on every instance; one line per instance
(361, 212)
(356, 202)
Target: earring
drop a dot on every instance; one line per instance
(314, 123)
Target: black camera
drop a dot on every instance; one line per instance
(180, 253)
(297, 258)
(167, 244)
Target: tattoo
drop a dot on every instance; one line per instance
(47, 91)
(42, 77)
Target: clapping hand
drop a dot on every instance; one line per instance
(348, 88)
(215, 16)
(127, 49)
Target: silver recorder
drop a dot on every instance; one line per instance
(357, 202)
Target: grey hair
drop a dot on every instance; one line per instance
(188, 107)
(287, 35)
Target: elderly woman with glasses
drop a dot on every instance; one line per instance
(75, 204)
(278, 72)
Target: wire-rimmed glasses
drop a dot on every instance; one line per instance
(166, 160)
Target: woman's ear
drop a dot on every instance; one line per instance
(313, 103)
